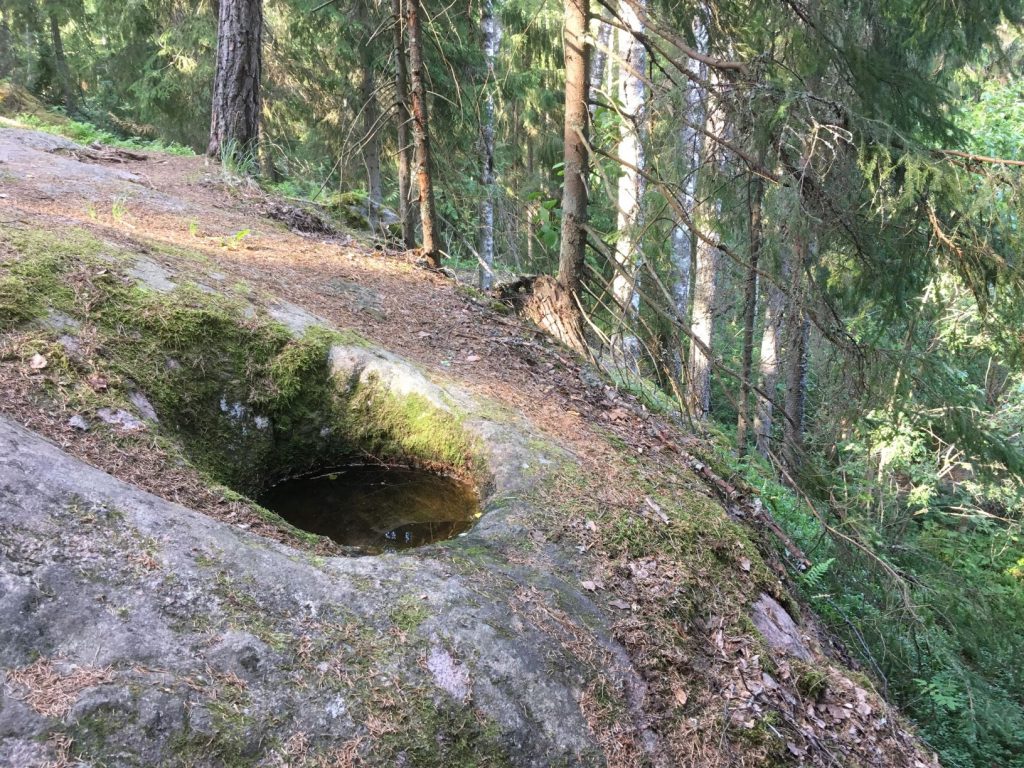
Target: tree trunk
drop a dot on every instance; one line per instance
(371, 129)
(755, 204)
(574, 190)
(554, 311)
(698, 382)
(797, 329)
(421, 133)
(492, 39)
(554, 304)
(406, 211)
(598, 62)
(7, 60)
(683, 238)
(769, 363)
(235, 122)
(632, 97)
(67, 89)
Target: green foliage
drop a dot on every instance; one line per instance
(941, 636)
(86, 133)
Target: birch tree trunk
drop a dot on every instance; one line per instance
(598, 62)
(421, 133)
(705, 282)
(406, 211)
(235, 122)
(632, 97)
(371, 128)
(492, 39)
(756, 203)
(683, 238)
(768, 367)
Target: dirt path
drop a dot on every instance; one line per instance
(184, 202)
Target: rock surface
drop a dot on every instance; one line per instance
(184, 613)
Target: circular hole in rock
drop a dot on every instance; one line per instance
(376, 508)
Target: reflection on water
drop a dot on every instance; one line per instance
(376, 508)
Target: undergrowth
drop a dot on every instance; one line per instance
(932, 607)
(87, 133)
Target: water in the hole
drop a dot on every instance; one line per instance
(376, 508)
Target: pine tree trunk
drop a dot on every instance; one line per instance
(554, 303)
(371, 129)
(756, 201)
(769, 363)
(705, 282)
(235, 122)
(67, 89)
(574, 191)
(406, 210)
(421, 134)
(492, 39)
(632, 97)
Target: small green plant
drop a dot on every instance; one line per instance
(234, 242)
(239, 161)
(119, 209)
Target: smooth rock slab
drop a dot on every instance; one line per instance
(210, 632)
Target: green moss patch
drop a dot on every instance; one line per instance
(246, 401)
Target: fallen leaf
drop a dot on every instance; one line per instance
(591, 526)
(680, 694)
(38, 362)
(745, 564)
(473, 358)
(622, 605)
(590, 586)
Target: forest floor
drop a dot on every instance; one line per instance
(649, 540)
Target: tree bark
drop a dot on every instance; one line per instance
(421, 133)
(67, 89)
(598, 63)
(755, 204)
(406, 210)
(235, 122)
(554, 304)
(705, 282)
(629, 220)
(768, 365)
(492, 39)
(371, 128)
(683, 239)
(574, 190)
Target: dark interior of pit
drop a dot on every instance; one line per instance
(376, 508)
